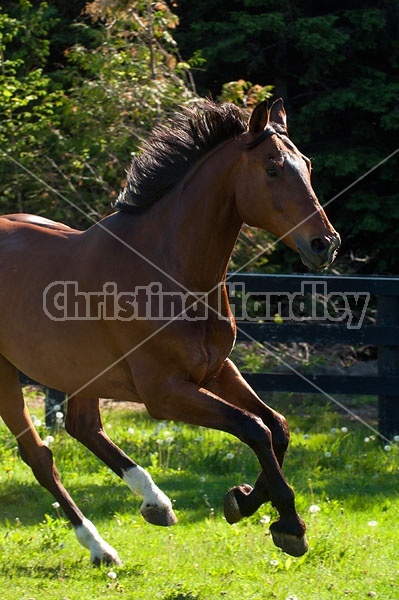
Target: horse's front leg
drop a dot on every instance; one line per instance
(243, 501)
(180, 399)
(83, 422)
(230, 385)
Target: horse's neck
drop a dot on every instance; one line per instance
(203, 222)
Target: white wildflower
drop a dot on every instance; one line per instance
(264, 520)
(274, 562)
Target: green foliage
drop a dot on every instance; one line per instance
(244, 93)
(74, 128)
(28, 102)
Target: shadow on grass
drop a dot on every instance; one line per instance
(29, 502)
(194, 497)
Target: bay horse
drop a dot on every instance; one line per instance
(69, 318)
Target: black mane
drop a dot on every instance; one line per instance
(174, 148)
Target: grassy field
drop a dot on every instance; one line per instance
(347, 490)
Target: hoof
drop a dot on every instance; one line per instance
(231, 506)
(107, 558)
(159, 515)
(291, 544)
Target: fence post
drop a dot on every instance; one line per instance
(388, 365)
(53, 398)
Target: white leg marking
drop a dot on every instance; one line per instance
(156, 507)
(100, 551)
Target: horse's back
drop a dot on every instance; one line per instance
(31, 247)
(35, 220)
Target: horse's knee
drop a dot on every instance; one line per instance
(40, 455)
(40, 460)
(257, 435)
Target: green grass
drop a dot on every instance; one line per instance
(353, 537)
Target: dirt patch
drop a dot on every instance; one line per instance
(35, 397)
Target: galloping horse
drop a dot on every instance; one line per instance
(81, 311)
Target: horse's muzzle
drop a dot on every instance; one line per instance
(320, 252)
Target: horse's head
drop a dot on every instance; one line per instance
(274, 191)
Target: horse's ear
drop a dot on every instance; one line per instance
(278, 114)
(259, 118)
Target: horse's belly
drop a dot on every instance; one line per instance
(70, 357)
(94, 380)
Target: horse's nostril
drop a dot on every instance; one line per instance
(318, 246)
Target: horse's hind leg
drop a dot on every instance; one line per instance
(39, 458)
(83, 421)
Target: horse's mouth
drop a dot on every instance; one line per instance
(319, 261)
(314, 263)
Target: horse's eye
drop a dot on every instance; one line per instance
(272, 173)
